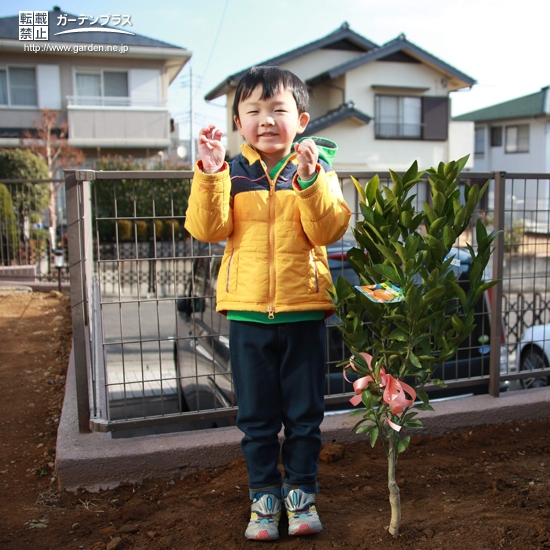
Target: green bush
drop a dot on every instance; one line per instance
(25, 165)
(8, 225)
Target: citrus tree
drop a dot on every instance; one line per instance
(409, 336)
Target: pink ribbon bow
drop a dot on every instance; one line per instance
(394, 390)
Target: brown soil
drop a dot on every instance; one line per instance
(480, 489)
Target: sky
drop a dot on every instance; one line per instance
(502, 44)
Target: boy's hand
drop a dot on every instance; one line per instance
(307, 156)
(211, 150)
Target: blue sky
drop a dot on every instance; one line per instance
(503, 44)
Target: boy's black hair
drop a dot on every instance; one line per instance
(271, 79)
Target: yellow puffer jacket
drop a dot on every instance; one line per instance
(275, 258)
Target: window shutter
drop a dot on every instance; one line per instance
(436, 118)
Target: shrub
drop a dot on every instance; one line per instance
(171, 229)
(8, 226)
(142, 231)
(124, 230)
(158, 229)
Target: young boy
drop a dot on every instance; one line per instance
(278, 204)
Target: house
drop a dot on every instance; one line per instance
(385, 106)
(109, 83)
(514, 137)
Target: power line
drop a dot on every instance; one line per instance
(215, 42)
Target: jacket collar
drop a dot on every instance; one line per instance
(252, 156)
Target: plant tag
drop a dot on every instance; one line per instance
(382, 293)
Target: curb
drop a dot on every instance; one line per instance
(34, 285)
(95, 461)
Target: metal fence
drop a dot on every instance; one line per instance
(26, 245)
(150, 350)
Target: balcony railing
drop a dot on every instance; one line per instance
(106, 101)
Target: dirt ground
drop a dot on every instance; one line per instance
(487, 488)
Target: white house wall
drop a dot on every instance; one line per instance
(316, 62)
(359, 82)
(461, 141)
(495, 158)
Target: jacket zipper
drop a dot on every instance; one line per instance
(271, 252)
(229, 271)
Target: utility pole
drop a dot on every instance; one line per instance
(191, 115)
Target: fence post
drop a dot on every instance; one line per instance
(76, 219)
(496, 291)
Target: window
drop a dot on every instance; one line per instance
(102, 88)
(517, 139)
(479, 145)
(405, 117)
(18, 87)
(496, 136)
(398, 117)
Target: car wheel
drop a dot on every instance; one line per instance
(532, 360)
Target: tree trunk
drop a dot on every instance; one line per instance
(395, 499)
(52, 213)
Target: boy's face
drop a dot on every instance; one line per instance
(270, 125)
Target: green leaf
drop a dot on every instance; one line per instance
(481, 231)
(412, 173)
(389, 254)
(460, 163)
(460, 293)
(449, 236)
(424, 407)
(364, 428)
(430, 212)
(399, 335)
(436, 247)
(403, 443)
(437, 224)
(439, 383)
(372, 187)
(413, 424)
(359, 188)
(423, 396)
(438, 200)
(406, 218)
(415, 361)
(374, 435)
(386, 271)
(460, 217)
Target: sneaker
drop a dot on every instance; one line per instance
(264, 518)
(301, 512)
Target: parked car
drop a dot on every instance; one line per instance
(201, 349)
(534, 355)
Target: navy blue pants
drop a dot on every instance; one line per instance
(279, 378)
